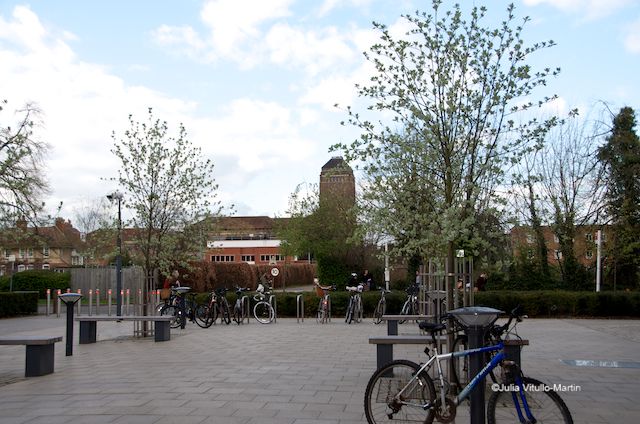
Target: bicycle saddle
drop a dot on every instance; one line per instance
(431, 327)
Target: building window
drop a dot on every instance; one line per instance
(557, 254)
(29, 267)
(556, 239)
(248, 258)
(76, 260)
(45, 251)
(589, 236)
(30, 252)
(222, 258)
(268, 258)
(20, 268)
(530, 239)
(2, 270)
(45, 266)
(7, 253)
(589, 254)
(21, 253)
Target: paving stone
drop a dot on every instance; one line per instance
(283, 373)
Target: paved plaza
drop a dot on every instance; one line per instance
(285, 373)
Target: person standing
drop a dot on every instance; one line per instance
(367, 280)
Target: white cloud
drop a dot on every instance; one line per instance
(83, 104)
(232, 22)
(588, 9)
(312, 50)
(632, 38)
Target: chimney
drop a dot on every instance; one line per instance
(21, 223)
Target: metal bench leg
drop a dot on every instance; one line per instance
(87, 332)
(162, 331)
(39, 360)
(384, 354)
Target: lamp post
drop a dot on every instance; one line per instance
(70, 299)
(476, 320)
(116, 195)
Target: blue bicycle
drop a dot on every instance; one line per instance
(403, 391)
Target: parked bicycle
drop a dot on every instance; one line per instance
(263, 312)
(460, 364)
(354, 308)
(216, 306)
(404, 391)
(181, 307)
(324, 307)
(410, 306)
(238, 308)
(381, 308)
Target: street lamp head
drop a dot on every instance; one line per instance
(116, 195)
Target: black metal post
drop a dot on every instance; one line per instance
(69, 347)
(119, 264)
(475, 335)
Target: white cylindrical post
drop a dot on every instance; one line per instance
(48, 300)
(97, 301)
(90, 302)
(79, 304)
(58, 293)
(109, 292)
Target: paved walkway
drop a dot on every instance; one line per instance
(285, 373)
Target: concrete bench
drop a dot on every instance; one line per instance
(40, 352)
(88, 325)
(384, 344)
(393, 320)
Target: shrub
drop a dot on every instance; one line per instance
(18, 303)
(559, 303)
(38, 281)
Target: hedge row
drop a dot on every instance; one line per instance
(18, 303)
(564, 303)
(535, 303)
(38, 281)
(205, 276)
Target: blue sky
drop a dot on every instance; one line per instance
(253, 81)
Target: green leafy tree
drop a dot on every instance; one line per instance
(323, 228)
(169, 188)
(621, 156)
(22, 181)
(452, 95)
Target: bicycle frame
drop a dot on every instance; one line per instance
(466, 391)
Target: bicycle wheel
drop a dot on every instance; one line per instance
(379, 312)
(203, 316)
(237, 313)
(383, 402)
(225, 317)
(405, 311)
(349, 317)
(357, 313)
(320, 317)
(545, 404)
(172, 311)
(460, 365)
(263, 312)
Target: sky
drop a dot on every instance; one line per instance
(255, 82)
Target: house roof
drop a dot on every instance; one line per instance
(61, 234)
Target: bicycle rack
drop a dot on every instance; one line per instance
(273, 303)
(299, 308)
(247, 304)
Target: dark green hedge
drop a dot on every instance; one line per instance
(564, 303)
(38, 281)
(18, 303)
(535, 303)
